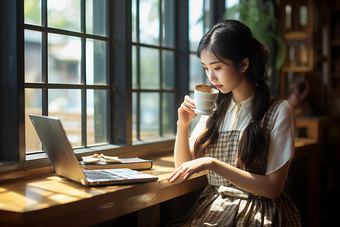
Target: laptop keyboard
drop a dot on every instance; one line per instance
(93, 174)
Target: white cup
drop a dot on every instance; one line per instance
(205, 99)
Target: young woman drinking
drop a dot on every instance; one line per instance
(246, 145)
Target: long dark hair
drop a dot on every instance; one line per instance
(233, 40)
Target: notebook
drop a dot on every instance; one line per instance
(59, 151)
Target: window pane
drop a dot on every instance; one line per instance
(134, 20)
(149, 21)
(33, 56)
(149, 68)
(96, 62)
(33, 105)
(96, 22)
(195, 23)
(97, 121)
(64, 54)
(57, 11)
(197, 75)
(168, 11)
(66, 105)
(168, 118)
(32, 12)
(168, 66)
(134, 67)
(149, 115)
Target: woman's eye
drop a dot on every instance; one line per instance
(217, 68)
(204, 68)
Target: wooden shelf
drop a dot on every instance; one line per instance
(296, 69)
(295, 35)
(300, 32)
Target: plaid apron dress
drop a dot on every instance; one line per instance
(224, 204)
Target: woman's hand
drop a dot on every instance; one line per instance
(189, 168)
(185, 112)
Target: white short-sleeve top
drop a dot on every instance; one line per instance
(282, 136)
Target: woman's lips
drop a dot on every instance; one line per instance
(218, 86)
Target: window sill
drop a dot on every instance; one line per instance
(37, 164)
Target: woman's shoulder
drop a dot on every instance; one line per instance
(281, 104)
(284, 111)
(280, 111)
(285, 106)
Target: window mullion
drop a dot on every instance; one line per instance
(160, 68)
(20, 80)
(138, 116)
(44, 57)
(137, 22)
(160, 94)
(121, 71)
(83, 118)
(83, 76)
(44, 13)
(182, 51)
(44, 70)
(82, 16)
(138, 93)
(83, 94)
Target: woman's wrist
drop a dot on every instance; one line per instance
(210, 163)
(183, 124)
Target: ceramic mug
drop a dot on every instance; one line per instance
(205, 99)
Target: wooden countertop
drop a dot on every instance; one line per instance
(59, 201)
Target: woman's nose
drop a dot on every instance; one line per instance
(211, 76)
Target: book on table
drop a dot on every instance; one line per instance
(131, 163)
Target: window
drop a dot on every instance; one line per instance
(66, 68)
(115, 72)
(153, 64)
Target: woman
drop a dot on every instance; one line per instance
(246, 145)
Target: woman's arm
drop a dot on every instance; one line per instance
(269, 186)
(182, 152)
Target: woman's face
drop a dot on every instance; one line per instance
(223, 75)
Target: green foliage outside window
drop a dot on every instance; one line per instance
(262, 20)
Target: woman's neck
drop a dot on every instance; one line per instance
(244, 90)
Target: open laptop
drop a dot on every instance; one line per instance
(65, 163)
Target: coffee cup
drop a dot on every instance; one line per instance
(205, 99)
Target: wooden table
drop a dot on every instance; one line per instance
(55, 201)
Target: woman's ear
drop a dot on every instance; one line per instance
(244, 64)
